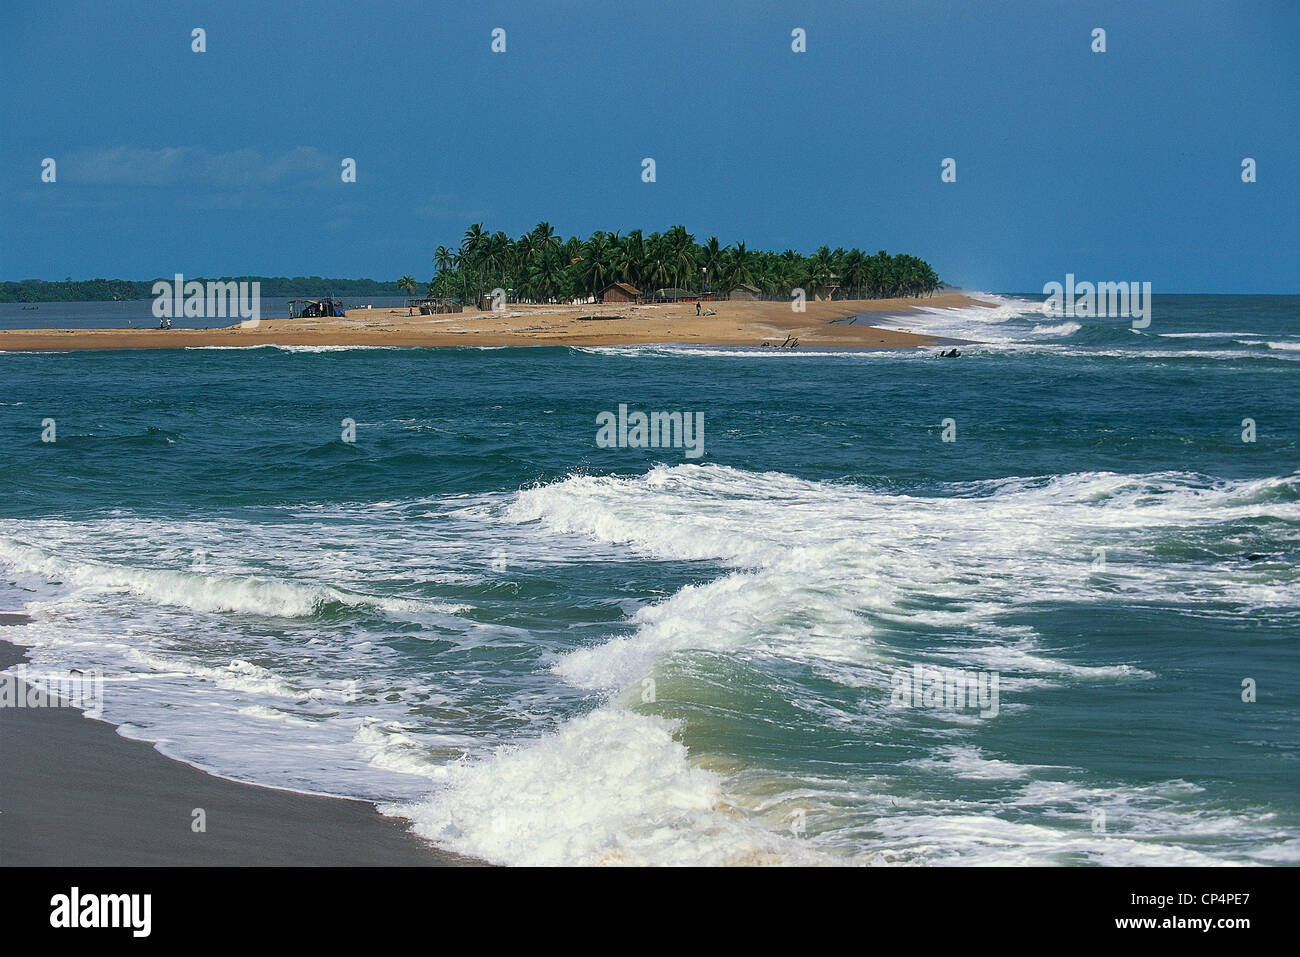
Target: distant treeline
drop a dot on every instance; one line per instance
(107, 290)
(542, 266)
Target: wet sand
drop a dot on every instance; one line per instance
(75, 793)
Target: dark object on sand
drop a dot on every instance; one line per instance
(434, 307)
(315, 308)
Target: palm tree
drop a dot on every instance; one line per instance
(544, 235)
(739, 267)
(681, 256)
(472, 245)
(499, 252)
(655, 268)
(527, 249)
(625, 259)
(547, 278)
(407, 282)
(711, 260)
(594, 266)
(472, 249)
(819, 270)
(854, 272)
(540, 265)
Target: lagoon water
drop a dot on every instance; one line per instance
(539, 650)
(138, 313)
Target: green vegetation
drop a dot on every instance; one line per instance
(539, 266)
(106, 290)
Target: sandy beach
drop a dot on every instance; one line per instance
(75, 793)
(839, 323)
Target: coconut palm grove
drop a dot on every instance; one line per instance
(540, 266)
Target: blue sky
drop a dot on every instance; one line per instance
(1119, 165)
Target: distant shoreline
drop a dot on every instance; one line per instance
(36, 291)
(735, 323)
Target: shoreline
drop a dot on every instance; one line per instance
(736, 323)
(76, 793)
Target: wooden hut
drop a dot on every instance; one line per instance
(620, 292)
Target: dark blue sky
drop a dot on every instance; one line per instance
(1122, 165)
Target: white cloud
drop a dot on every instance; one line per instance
(195, 166)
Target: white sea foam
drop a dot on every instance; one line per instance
(720, 352)
(818, 568)
(201, 591)
(1201, 335)
(288, 348)
(260, 345)
(982, 323)
(970, 762)
(1279, 346)
(311, 350)
(819, 573)
(611, 787)
(1004, 326)
(828, 578)
(1007, 324)
(1060, 329)
(1063, 350)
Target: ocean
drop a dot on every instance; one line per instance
(541, 650)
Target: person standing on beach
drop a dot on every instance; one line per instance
(697, 307)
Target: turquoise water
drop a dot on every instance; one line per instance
(540, 650)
